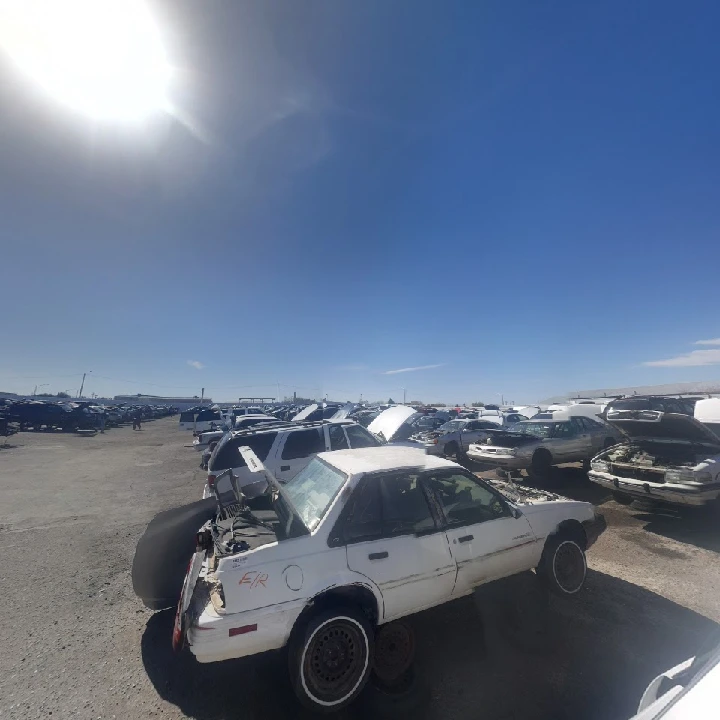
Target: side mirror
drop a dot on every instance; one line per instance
(515, 512)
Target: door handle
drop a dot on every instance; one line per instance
(378, 556)
(465, 538)
(284, 467)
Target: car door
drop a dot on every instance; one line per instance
(595, 435)
(567, 443)
(469, 434)
(487, 537)
(299, 448)
(394, 539)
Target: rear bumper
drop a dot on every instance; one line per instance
(675, 493)
(210, 639)
(594, 528)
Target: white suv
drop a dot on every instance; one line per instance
(284, 449)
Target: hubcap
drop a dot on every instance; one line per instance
(335, 660)
(569, 566)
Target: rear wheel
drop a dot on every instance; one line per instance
(622, 498)
(331, 659)
(451, 449)
(563, 566)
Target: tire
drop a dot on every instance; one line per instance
(331, 658)
(586, 465)
(451, 449)
(622, 498)
(563, 567)
(541, 464)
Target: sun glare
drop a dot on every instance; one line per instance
(103, 58)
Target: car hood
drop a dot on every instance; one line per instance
(344, 411)
(639, 424)
(304, 413)
(389, 421)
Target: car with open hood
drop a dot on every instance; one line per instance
(538, 444)
(666, 456)
(355, 540)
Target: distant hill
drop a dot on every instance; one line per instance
(701, 388)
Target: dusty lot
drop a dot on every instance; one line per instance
(76, 642)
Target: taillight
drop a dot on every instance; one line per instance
(211, 481)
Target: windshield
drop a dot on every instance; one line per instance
(540, 429)
(452, 426)
(312, 490)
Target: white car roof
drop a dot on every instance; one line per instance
(387, 457)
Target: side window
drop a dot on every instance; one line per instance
(405, 509)
(365, 521)
(303, 443)
(228, 455)
(564, 430)
(338, 441)
(360, 437)
(465, 501)
(578, 424)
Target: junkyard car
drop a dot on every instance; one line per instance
(285, 448)
(669, 457)
(538, 444)
(455, 436)
(202, 440)
(357, 539)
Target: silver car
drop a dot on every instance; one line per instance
(455, 436)
(537, 445)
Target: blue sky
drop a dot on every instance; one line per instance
(495, 197)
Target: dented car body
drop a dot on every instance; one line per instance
(668, 457)
(389, 530)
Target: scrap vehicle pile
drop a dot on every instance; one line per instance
(74, 415)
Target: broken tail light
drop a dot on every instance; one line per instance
(211, 481)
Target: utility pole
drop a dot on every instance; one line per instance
(82, 384)
(404, 389)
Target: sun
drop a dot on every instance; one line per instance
(102, 58)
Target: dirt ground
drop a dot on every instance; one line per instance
(77, 643)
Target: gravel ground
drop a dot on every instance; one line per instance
(77, 643)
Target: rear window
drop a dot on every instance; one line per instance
(303, 443)
(206, 415)
(187, 417)
(360, 437)
(228, 455)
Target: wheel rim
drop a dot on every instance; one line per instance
(335, 661)
(394, 651)
(569, 566)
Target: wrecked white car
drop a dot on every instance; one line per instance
(454, 437)
(669, 457)
(356, 539)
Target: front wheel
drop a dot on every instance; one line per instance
(563, 566)
(331, 660)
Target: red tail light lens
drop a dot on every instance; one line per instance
(211, 481)
(232, 632)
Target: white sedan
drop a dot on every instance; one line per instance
(356, 539)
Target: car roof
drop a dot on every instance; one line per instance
(386, 457)
(289, 425)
